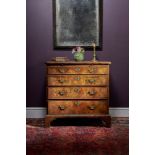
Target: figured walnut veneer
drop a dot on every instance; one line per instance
(78, 92)
(76, 69)
(78, 89)
(78, 80)
(77, 107)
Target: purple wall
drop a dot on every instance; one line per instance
(40, 49)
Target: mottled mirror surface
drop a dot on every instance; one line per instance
(76, 22)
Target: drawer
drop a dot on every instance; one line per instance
(78, 69)
(78, 107)
(78, 92)
(67, 80)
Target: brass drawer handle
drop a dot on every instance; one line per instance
(77, 69)
(62, 70)
(77, 78)
(92, 92)
(91, 80)
(92, 107)
(77, 90)
(77, 103)
(61, 93)
(61, 80)
(61, 107)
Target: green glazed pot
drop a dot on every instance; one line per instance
(79, 56)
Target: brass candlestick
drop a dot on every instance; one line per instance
(94, 53)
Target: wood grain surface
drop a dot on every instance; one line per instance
(78, 89)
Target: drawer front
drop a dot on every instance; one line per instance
(78, 69)
(78, 92)
(78, 107)
(67, 80)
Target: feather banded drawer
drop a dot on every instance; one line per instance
(78, 89)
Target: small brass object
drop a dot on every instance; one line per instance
(77, 78)
(61, 107)
(62, 70)
(92, 92)
(77, 90)
(92, 69)
(94, 52)
(77, 103)
(61, 80)
(91, 107)
(61, 93)
(77, 69)
(91, 80)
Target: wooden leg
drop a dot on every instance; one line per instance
(106, 121)
(48, 120)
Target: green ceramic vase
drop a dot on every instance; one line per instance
(79, 56)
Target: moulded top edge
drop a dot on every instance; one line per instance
(78, 62)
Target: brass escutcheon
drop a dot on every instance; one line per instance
(77, 69)
(77, 103)
(92, 69)
(76, 90)
(77, 78)
(61, 107)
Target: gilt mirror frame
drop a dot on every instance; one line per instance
(68, 32)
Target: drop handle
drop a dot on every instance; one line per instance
(61, 81)
(92, 92)
(91, 107)
(61, 107)
(91, 80)
(61, 93)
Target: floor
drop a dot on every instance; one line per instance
(77, 137)
(40, 122)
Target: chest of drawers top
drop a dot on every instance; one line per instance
(79, 62)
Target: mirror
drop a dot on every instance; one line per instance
(77, 23)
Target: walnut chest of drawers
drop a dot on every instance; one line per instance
(78, 89)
